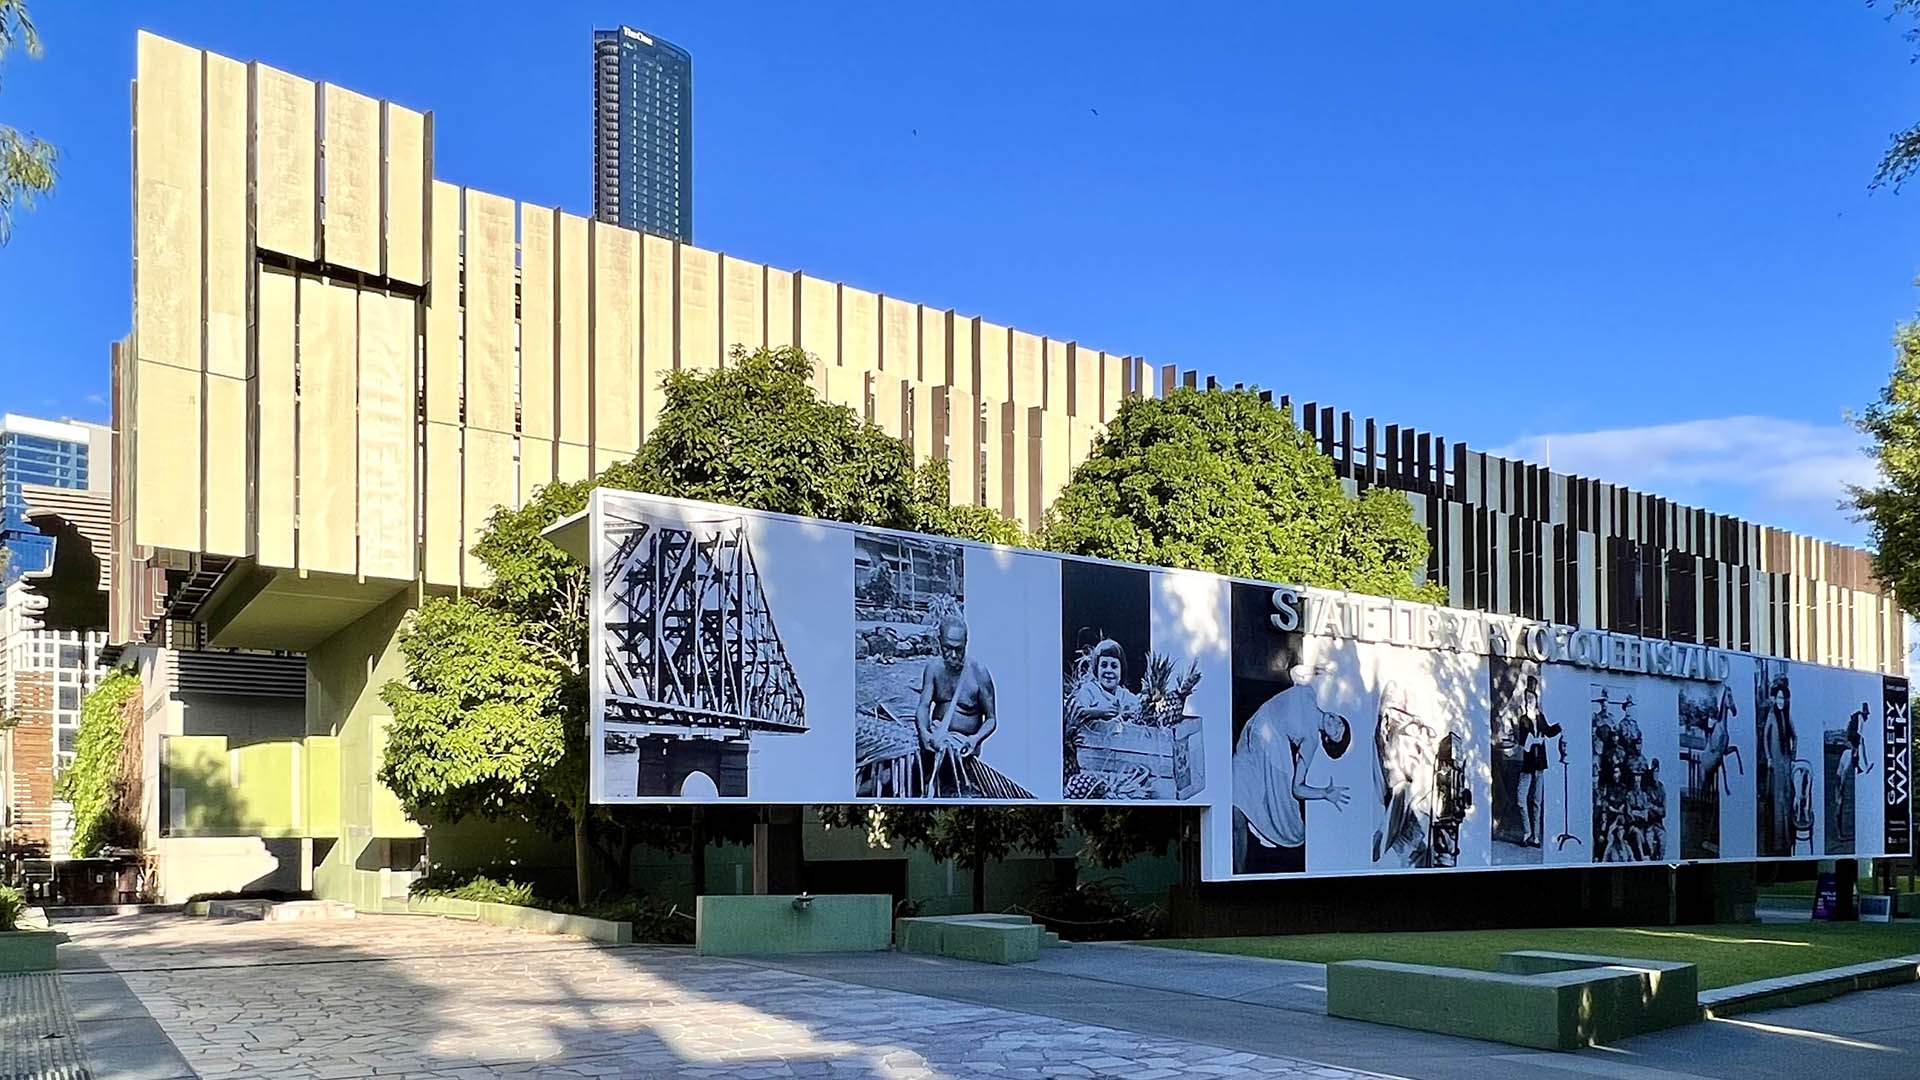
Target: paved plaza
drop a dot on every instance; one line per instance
(412, 996)
(158, 997)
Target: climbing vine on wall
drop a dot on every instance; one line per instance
(104, 796)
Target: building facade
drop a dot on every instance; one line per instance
(457, 349)
(642, 133)
(55, 453)
(45, 677)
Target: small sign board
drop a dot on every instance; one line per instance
(1876, 907)
(1828, 903)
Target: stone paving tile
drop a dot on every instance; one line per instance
(421, 998)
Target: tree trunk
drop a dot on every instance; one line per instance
(699, 841)
(582, 859)
(979, 870)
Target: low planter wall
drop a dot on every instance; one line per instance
(28, 950)
(537, 920)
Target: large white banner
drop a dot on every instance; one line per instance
(761, 658)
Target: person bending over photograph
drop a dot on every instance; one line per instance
(1407, 749)
(956, 712)
(1271, 760)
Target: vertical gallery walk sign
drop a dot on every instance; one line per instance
(1897, 759)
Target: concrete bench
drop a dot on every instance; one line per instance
(992, 939)
(772, 925)
(1551, 1001)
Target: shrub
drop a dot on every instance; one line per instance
(478, 887)
(95, 783)
(13, 904)
(655, 922)
(1093, 911)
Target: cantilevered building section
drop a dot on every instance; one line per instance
(457, 349)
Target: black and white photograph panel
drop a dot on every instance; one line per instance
(1427, 760)
(1527, 764)
(1111, 741)
(1287, 733)
(931, 702)
(1128, 729)
(1709, 717)
(1563, 793)
(1850, 741)
(1784, 777)
(1634, 737)
(703, 654)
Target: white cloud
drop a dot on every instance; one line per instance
(96, 399)
(1786, 473)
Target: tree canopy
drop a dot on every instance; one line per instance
(26, 162)
(491, 715)
(1891, 508)
(1223, 481)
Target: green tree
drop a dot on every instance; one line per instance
(491, 717)
(1222, 481)
(972, 837)
(1891, 508)
(1225, 482)
(26, 162)
(96, 782)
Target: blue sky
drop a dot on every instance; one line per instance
(1634, 237)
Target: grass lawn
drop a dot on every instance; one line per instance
(1726, 954)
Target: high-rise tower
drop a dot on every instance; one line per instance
(642, 133)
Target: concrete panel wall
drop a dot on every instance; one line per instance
(573, 329)
(350, 222)
(899, 338)
(819, 319)
(225, 479)
(616, 341)
(489, 330)
(743, 304)
(229, 260)
(285, 163)
(329, 441)
(859, 329)
(781, 310)
(488, 480)
(386, 437)
(699, 307)
(658, 319)
(446, 381)
(406, 171)
(167, 465)
(274, 407)
(443, 539)
(538, 380)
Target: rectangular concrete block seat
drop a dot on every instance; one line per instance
(28, 950)
(1568, 1002)
(774, 925)
(1672, 986)
(992, 939)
